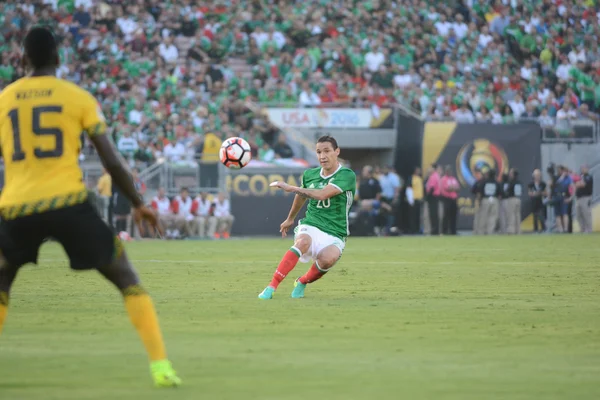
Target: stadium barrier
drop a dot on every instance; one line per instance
(258, 208)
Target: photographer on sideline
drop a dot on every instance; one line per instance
(477, 190)
(537, 194)
(490, 202)
(561, 197)
(514, 190)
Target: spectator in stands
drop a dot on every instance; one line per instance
(308, 98)
(127, 145)
(185, 222)
(464, 114)
(282, 148)
(168, 51)
(266, 153)
(178, 58)
(175, 151)
(537, 195)
(225, 219)
(143, 155)
(203, 210)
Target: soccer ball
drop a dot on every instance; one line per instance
(124, 236)
(235, 153)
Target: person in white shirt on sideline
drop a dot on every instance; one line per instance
(206, 221)
(162, 205)
(182, 209)
(224, 217)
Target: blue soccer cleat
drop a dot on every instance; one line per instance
(298, 291)
(267, 294)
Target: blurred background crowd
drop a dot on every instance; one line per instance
(169, 72)
(176, 77)
(428, 203)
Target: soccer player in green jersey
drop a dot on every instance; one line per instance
(321, 234)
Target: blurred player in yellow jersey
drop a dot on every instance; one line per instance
(41, 120)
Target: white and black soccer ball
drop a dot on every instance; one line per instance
(235, 153)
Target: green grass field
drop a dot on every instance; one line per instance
(399, 318)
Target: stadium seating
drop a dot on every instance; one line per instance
(165, 71)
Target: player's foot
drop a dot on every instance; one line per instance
(163, 374)
(298, 291)
(267, 294)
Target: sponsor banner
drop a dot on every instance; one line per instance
(466, 147)
(329, 117)
(258, 208)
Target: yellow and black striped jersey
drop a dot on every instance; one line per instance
(41, 122)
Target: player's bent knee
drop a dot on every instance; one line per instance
(303, 243)
(324, 263)
(328, 257)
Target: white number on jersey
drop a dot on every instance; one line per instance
(324, 203)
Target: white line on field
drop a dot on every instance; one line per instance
(341, 262)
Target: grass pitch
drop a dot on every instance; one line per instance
(400, 318)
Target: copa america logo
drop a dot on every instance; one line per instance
(482, 155)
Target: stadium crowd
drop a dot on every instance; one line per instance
(168, 72)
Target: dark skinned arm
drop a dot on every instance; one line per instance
(116, 167)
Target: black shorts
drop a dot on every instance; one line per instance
(87, 240)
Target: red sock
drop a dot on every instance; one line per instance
(286, 265)
(313, 274)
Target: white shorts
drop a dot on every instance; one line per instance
(319, 240)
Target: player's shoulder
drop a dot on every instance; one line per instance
(345, 171)
(9, 90)
(312, 172)
(74, 92)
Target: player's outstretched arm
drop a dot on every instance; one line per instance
(118, 170)
(315, 194)
(296, 206)
(294, 210)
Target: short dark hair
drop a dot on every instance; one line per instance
(41, 47)
(328, 139)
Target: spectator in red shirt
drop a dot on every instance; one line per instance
(449, 188)
(433, 190)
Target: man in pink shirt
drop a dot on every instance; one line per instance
(449, 188)
(434, 190)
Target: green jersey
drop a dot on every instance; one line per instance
(331, 215)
